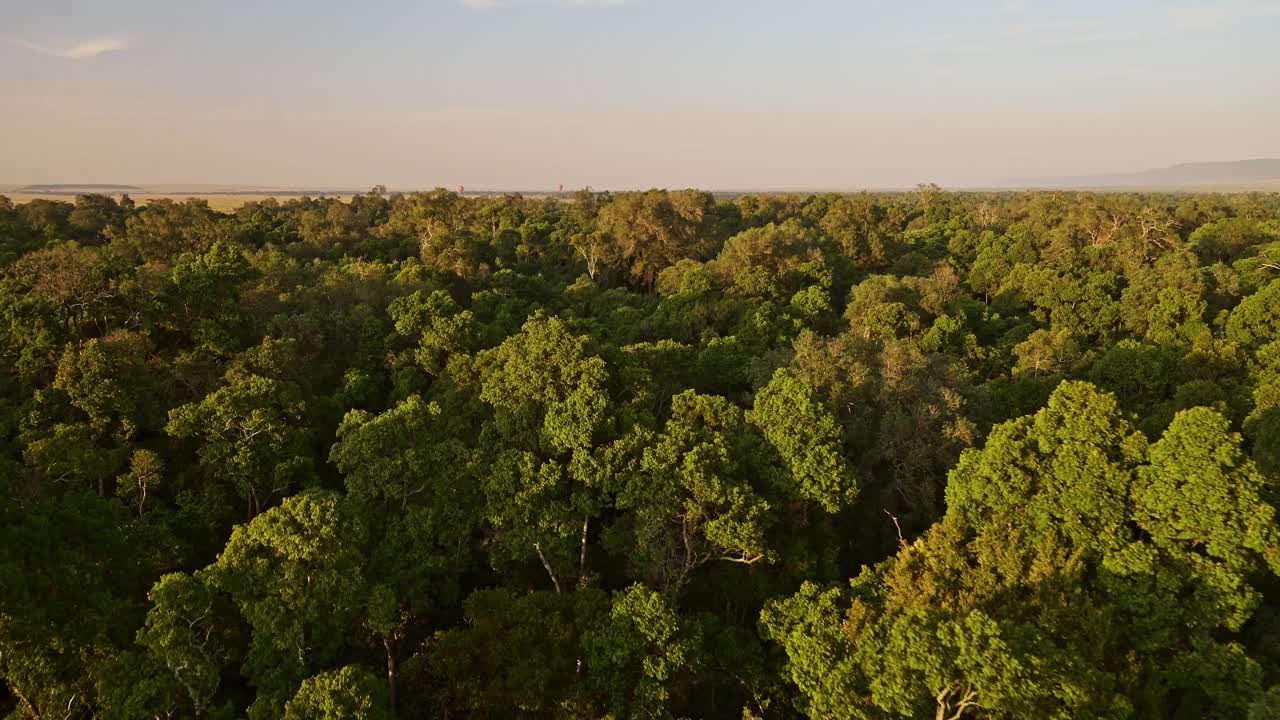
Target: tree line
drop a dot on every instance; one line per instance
(641, 455)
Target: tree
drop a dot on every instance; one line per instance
(437, 323)
(164, 229)
(1047, 352)
(68, 603)
(96, 217)
(95, 409)
(1226, 240)
(1256, 320)
(351, 692)
(807, 438)
(689, 495)
(655, 229)
(146, 473)
(1201, 495)
(516, 654)
(1069, 576)
(463, 452)
(639, 653)
(1139, 374)
(411, 484)
(903, 422)
(295, 573)
(546, 390)
(1177, 321)
(768, 262)
(82, 281)
(882, 306)
(106, 379)
(204, 292)
(865, 229)
(1079, 302)
(549, 401)
(997, 257)
(250, 431)
(598, 250)
(187, 631)
(71, 453)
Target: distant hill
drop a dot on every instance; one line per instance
(1259, 174)
(76, 188)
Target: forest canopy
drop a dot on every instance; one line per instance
(641, 455)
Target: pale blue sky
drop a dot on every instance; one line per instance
(630, 93)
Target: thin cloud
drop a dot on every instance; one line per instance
(1168, 20)
(492, 4)
(1063, 33)
(1026, 36)
(91, 48)
(1208, 17)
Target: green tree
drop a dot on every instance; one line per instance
(550, 409)
(516, 654)
(1228, 239)
(73, 571)
(1177, 321)
(204, 294)
(351, 692)
(252, 432)
(1070, 576)
(653, 230)
(296, 575)
(189, 632)
(437, 323)
(639, 653)
(769, 262)
(807, 438)
(689, 495)
(145, 475)
(1256, 320)
(411, 484)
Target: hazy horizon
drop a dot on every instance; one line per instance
(630, 93)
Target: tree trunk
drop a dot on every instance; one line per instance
(389, 643)
(964, 702)
(582, 556)
(23, 698)
(547, 565)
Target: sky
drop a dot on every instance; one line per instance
(619, 94)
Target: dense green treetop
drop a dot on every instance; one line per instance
(661, 454)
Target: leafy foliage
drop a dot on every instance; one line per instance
(641, 455)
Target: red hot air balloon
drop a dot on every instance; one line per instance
(461, 189)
